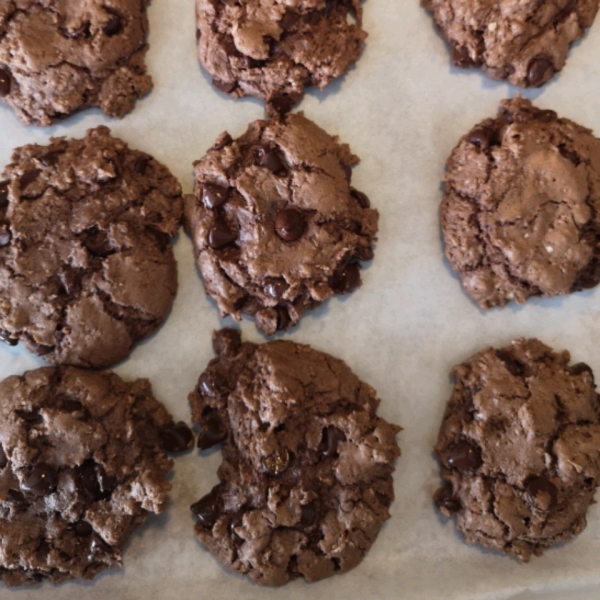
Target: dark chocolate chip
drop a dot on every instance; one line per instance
(224, 86)
(50, 159)
(312, 18)
(541, 493)
(461, 56)
(82, 31)
(227, 341)
(41, 349)
(140, 164)
(444, 498)
(206, 510)
(31, 416)
(220, 235)
(95, 481)
(97, 243)
(198, 34)
(290, 224)
(177, 438)
(277, 463)
(515, 367)
(289, 19)
(546, 116)
(569, 154)
(267, 157)
(354, 227)
(364, 253)
(283, 318)
(211, 433)
(346, 279)
(538, 70)
(82, 528)
(329, 441)
(5, 337)
(29, 177)
(282, 103)
(41, 481)
(70, 281)
(214, 195)
(113, 26)
(69, 405)
(5, 235)
(17, 498)
(580, 368)
(363, 199)
(98, 546)
(223, 140)
(274, 287)
(465, 457)
(4, 194)
(5, 82)
(347, 172)
(107, 483)
(309, 513)
(212, 384)
(3, 458)
(482, 136)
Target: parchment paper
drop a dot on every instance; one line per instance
(402, 110)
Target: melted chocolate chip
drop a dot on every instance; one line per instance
(97, 243)
(5, 235)
(514, 366)
(212, 384)
(206, 510)
(282, 103)
(5, 337)
(309, 514)
(363, 199)
(82, 528)
(220, 235)
(346, 279)
(364, 253)
(274, 287)
(545, 116)
(227, 341)
(17, 498)
(82, 31)
(461, 57)
(31, 416)
(465, 457)
(267, 157)
(41, 481)
(177, 438)
(4, 194)
(198, 35)
(113, 26)
(329, 442)
(98, 546)
(3, 458)
(224, 86)
(41, 349)
(569, 154)
(140, 164)
(29, 177)
(444, 498)
(541, 493)
(211, 433)
(482, 136)
(70, 281)
(107, 482)
(538, 70)
(290, 224)
(5, 82)
(214, 195)
(50, 159)
(283, 318)
(347, 172)
(580, 368)
(277, 463)
(95, 481)
(69, 405)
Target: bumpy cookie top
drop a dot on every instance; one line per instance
(520, 448)
(521, 204)
(524, 41)
(273, 49)
(276, 227)
(306, 478)
(82, 463)
(58, 56)
(86, 267)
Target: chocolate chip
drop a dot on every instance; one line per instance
(541, 493)
(98, 546)
(50, 159)
(515, 367)
(482, 136)
(283, 318)
(461, 56)
(444, 498)
(267, 157)
(5, 337)
(5, 235)
(113, 26)
(3, 458)
(214, 195)
(290, 224)
(227, 341)
(198, 34)
(97, 243)
(17, 498)
(95, 481)
(282, 103)
(220, 235)
(212, 383)
(70, 281)
(364, 253)
(274, 287)
(31, 416)
(82, 31)
(289, 19)
(580, 368)
(206, 509)
(82, 528)
(223, 140)
(140, 164)
(309, 513)
(348, 173)
(211, 433)
(538, 70)
(277, 463)
(69, 405)
(29, 177)
(177, 438)
(465, 457)
(41, 349)
(224, 86)
(545, 116)
(570, 155)
(312, 18)
(41, 481)
(363, 199)
(5, 82)
(108, 483)
(4, 194)
(329, 441)
(346, 279)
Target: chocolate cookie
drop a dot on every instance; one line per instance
(273, 49)
(57, 57)
(520, 210)
(520, 448)
(525, 42)
(276, 227)
(86, 267)
(306, 478)
(82, 464)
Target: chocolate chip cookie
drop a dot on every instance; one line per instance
(520, 210)
(525, 42)
(82, 464)
(86, 267)
(276, 227)
(306, 479)
(273, 49)
(59, 57)
(519, 448)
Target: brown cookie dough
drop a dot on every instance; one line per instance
(520, 210)
(306, 478)
(82, 464)
(524, 41)
(86, 267)
(520, 448)
(59, 56)
(276, 227)
(273, 49)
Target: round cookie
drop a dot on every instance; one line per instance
(273, 49)
(525, 42)
(86, 267)
(82, 464)
(520, 210)
(59, 57)
(519, 448)
(306, 478)
(276, 227)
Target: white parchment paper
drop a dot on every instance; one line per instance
(402, 110)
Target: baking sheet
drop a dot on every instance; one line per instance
(402, 110)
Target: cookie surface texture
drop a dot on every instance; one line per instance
(86, 267)
(519, 448)
(525, 41)
(276, 227)
(273, 49)
(519, 214)
(60, 56)
(306, 478)
(82, 465)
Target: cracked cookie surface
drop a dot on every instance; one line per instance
(59, 56)
(273, 49)
(524, 41)
(276, 227)
(519, 448)
(520, 214)
(86, 267)
(82, 464)
(306, 477)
